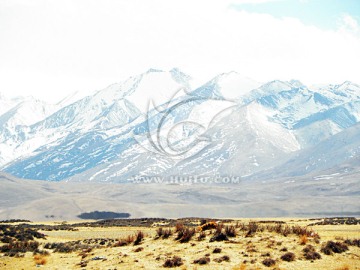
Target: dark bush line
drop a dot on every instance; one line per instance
(352, 242)
(15, 221)
(338, 221)
(14, 248)
(272, 221)
(126, 222)
(10, 233)
(67, 247)
(253, 227)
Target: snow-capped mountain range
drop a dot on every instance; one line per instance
(233, 125)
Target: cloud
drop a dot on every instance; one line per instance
(349, 24)
(54, 47)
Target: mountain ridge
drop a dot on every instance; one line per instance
(267, 125)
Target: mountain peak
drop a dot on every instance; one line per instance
(348, 84)
(276, 86)
(230, 85)
(297, 83)
(347, 88)
(178, 72)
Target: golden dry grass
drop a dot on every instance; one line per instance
(40, 259)
(245, 253)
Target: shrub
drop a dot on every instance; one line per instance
(269, 262)
(286, 231)
(164, 233)
(222, 259)
(179, 226)
(139, 249)
(159, 232)
(138, 238)
(252, 229)
(167, 233)
(202, 236)
(120, 243)
(129, 239)
(203, 260)
(187, 235)
(173, 262)
(219, 237)
(288, 257)
(217, 250)
(241, 226)
(230, 231)
(312, 255)
(308, 248)
(218, 228)
(336, 247)
(208, 225)
(179, 234)
(354, 242)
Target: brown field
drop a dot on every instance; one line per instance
(256, 241)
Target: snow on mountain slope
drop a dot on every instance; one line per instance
(313, 115)
(339, 149)
(230, 86)
(97, 137)
(157, 86)
(26, 113)
(117, 104)
(243, 142)
(73, 97)
(271, 89)
(252, 141)
(7, 103)
(248, 140)
(14, 126)
(82, 127)
(290, 103)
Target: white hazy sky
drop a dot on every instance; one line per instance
(50, 48)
